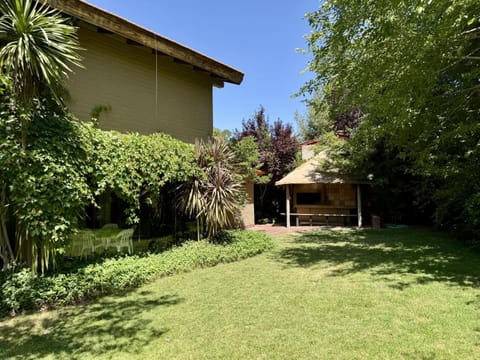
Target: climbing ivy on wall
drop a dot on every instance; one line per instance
(66, 165)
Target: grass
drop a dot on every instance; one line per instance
(74, 282)
(377, 294)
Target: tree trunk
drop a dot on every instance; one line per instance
(24, 120)
(27, 248)
(6, 252)
(198, 229)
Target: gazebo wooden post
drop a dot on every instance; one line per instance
(359, 206)
(288, 205)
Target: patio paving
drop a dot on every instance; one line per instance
(279, 229)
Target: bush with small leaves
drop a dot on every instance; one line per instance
(21, 289)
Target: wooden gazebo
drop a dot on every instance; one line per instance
(316, 197)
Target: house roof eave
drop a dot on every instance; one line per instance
(113, 23)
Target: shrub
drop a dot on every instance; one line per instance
(223, 237)
(66, 166)
(214, 197)
(18, 290)
(158, 245)
(21, 289)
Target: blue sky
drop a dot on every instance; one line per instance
(257, 37)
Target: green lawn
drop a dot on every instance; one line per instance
(384, 294)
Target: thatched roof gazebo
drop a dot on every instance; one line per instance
(320, 195)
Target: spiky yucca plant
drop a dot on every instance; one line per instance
(38, 48)
(215, 197)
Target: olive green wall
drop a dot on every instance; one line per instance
(178, 101)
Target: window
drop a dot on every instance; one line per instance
(304, 198)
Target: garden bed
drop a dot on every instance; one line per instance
(23, 290)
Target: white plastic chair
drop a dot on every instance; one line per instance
(121, 240)
(82, 243)
(99, 242)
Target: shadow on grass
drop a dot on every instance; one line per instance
(388, 254)
(86, 331)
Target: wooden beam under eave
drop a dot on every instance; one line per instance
(133, 43)
(217, 81)
(218, 84)
(184, 64)
(104, 31)
(160, 54)
(181, 62)
(197, 69)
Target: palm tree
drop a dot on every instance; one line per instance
(38, 46)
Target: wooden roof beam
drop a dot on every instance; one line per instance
(104, 31)
(133, 43)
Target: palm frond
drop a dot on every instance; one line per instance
(216, 198)
(39, 47)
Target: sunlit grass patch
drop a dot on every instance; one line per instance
(381, 294)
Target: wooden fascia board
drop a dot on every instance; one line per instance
(110, 22)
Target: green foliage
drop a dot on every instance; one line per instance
(68, 164)
(319, 295)
(21, 289)
(247, 159)
(18, 290)
(161, 244)
(226, 135)
(135, 166)
(38, 47)
(97, 111)
(330, 142)
(215, 196)
(276, 144)
(412, 68)
(45, 185)
(316, 122)
(5, 83)
(223, 237)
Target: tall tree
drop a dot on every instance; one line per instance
(278, 148)
(277, 144)
(324, 116)
(413, 68)
(315, 122)
(38, 48)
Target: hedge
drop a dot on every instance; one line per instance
(22, 289)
